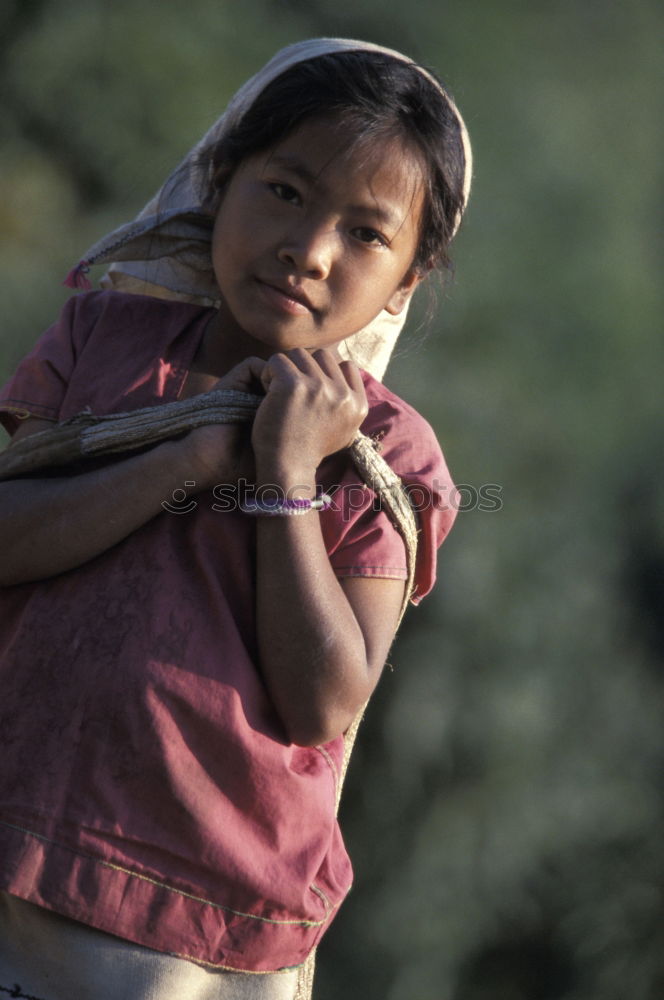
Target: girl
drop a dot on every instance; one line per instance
(178, 669)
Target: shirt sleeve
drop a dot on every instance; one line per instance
(360, 537)
(38, 386)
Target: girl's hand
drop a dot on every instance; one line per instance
(222, 452)
(245, 377)
(313, 407)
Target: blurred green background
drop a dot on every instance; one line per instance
(504, 805)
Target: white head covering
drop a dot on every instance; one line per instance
(165, 250)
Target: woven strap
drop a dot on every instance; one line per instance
(86, 436)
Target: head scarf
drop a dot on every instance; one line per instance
(165, 250)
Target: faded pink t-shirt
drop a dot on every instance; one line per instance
(147, 786)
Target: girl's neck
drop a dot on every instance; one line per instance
(218, 351)
(217, 354)
(224, 345)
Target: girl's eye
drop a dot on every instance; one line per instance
(370, 236)
(285, 192)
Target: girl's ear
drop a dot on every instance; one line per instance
(399, 300)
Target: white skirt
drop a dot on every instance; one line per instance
(44, 956)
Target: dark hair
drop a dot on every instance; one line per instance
(376, 97)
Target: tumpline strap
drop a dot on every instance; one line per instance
(87, 436)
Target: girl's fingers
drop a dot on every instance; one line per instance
(279, 366)
(347, 371)
(253, 367)
(312, 408)
(335, 368)
(327, 362)
(245, 376)
(317, 365)
(305, 361)
(266, 377)
(293, 365)
(352, 375)
(315, 362)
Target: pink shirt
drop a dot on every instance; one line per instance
(147, 787)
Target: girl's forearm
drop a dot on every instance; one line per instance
(48, 526)
(312, 650)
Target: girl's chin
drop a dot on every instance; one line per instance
(262, 336)
(264, 342)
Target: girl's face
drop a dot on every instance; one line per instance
(312, 240)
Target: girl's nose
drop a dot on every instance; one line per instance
(309, 251)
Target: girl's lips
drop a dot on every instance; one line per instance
(283, 300)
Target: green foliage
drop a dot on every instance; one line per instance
(504, 807)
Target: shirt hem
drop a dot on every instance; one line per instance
(52, 875)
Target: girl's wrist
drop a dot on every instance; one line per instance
(294, 482)
(205, 455)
